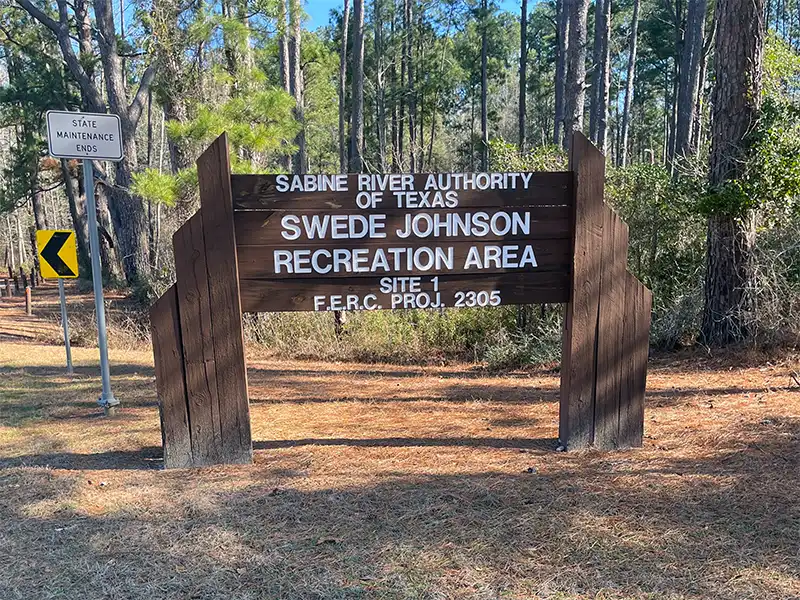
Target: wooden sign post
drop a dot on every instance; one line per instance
(265, 243)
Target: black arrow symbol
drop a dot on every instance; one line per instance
(50, 254)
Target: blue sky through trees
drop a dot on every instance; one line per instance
(319, 10)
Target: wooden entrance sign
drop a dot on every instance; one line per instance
(265, 243)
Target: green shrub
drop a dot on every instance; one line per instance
(413, 336)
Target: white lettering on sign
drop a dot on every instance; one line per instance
(84, 135)
(478, 224)
(340, 226)
(398, 223)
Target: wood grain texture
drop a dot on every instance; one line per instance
(579, 340)
(638, 305)
(198, 342)
(260, 192)
(632, 409)
(610, 330)
(213, 170)
(170, 381)
(298, 295)
(627, 414)
(263, 227)
(643, 324)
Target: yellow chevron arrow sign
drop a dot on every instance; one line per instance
(58, 255)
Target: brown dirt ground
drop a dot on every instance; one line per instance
(379, 481)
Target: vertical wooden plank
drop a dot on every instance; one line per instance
(610, 330)
(579, 339)
(194, 309)
(636, 346)
(170, 381)
(619, 292)
(627, 363)
(641, 353)
(213, 169)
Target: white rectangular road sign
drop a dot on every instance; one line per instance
(84, 135)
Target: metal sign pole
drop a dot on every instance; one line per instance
(65, 324)
(107, 400)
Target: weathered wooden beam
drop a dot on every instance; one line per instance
(610, 331)
(197, 337)
(216, 206)
(579, 339)
(171, 381)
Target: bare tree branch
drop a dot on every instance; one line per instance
(40, 16)
(61, 31)
(136, 106)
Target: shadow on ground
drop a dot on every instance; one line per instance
(722, 526)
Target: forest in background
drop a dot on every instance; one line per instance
(694, 103)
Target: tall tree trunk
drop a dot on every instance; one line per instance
(109, 251)
(127, 212)
(396, 133)
(380, 88)
(562, 22)
(576, 67)
(601, 74)
(678, 18)
(484, 87)
(301, 158)
(691, 64)
(343, 88)
(597, 59)
(176, 94)
(472, 130)
(39, 215)
(283, 45)
(411, 92)
(402, 94)
(284, 65)
(357, 125)
(39, 221)
(10, 243)
(23, 255)
(421, 103)
(436, 101)
(77, 211)
(152, 237)
(738, 56)
(626, 111)
(523, 71)
(697, 126)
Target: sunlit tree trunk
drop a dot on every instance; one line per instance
(343, 88)
(523, 71)
(691, 65)
(484, 88)
(380, 87)
(297, 84)
(357, 125)
(629, 89)
(601, 74)
(410, 91)
(738, 56)
(77, 211)
(576, 67)
(562, 22)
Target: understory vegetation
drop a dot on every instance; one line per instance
(426, 86)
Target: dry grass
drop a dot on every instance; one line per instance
(400, 482)
(126, 328)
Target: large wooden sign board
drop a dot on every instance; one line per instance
(265, 243)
